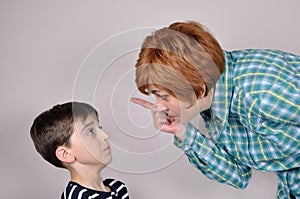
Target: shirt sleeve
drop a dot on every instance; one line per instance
(213, 161)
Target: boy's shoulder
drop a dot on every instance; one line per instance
(113, 183)
(118, 189)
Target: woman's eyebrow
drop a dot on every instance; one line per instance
(155, 92)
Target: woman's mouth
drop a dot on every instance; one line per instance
(171, 118)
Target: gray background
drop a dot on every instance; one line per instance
(55, 51)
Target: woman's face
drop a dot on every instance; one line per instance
(174, 108)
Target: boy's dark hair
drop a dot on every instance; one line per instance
(54, 127)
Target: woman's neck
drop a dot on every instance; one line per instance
(205, 103)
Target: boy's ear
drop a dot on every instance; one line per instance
(64, 154)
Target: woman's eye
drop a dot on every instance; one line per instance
(100, 127)
(164, 97)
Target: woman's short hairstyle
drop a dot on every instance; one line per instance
(184, 59)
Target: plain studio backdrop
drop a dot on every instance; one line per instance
(57, 51)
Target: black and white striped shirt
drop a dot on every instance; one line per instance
(76, 191)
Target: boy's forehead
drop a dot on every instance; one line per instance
(81, 123)
(90, 116)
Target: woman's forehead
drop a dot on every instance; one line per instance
(154, 89)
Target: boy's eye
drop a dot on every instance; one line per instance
(90, 132)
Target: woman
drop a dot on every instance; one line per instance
(249, 100)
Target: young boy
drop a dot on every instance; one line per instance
(68, 136)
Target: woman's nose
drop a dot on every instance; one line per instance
(160, 101)
(163, 104)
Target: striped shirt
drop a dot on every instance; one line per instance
(254, 120)
(76, 191)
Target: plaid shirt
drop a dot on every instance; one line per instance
(254, 121)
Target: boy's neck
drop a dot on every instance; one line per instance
(89, 178)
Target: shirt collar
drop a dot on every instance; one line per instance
(223, 90)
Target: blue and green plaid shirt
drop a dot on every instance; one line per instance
(254, 121)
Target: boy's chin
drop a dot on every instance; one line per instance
(107, 162)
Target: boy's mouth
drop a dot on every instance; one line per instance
(107, 148)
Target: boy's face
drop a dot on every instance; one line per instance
(89, 143)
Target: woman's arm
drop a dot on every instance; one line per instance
(213, 161)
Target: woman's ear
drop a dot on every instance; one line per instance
(65, 154)
(205, 91)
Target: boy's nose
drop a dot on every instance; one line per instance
(102, 135)
(105, 135)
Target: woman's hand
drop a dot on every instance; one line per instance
(162, 120)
